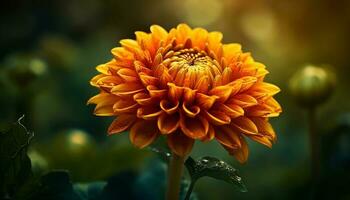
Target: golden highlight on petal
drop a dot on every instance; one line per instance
(186, 84)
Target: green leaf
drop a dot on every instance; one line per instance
(215, 168)
(15, 166)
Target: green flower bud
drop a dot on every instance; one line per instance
(312, 85)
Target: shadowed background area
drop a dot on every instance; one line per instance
(48, 54)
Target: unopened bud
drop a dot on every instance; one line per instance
(312, 85)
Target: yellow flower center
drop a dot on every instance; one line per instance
(189, 67)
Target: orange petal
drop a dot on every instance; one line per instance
(216, 117)
(125, 106)
(135, 48)
(108, 82)
(227, 75)
(236, 86)
(143, 99)
(104, 110)
(179, 78)
(247, 82)
(263, 90)
(148, 80)
(168, 123)
(155, 92)
(104, 69)
(253, 69)
(190, 78)
(214, 42)
(159, 33)
(127, 89)
(231, 110)
(189, 95)
(179, 143)
(262, 111)
(268, 108)
(245, 125)
(210, 135)
(130, 45)
(243, 100)
(104, 104)
(127, 74)
(231, 50)
(217, 81)
(183, 31)
(101, 97)
(190, 111)
(261, 139)
(264, 127)
(120, 53)
(227, 136)
(223, 92)
(145, 42)
(158, 59)
(241, 154)
(141, 68)
(194, 127)
(199, 38)
(168, 106)
(141, 37)
(95, 80)
(148, 112)
(205, 101)
(175, 92)
(121, 123)
(165, 78)
(143, 133)
(202, 84)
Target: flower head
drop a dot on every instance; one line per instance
(186, 85)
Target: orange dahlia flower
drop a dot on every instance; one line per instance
(186, 85)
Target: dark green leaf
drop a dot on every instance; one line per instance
(15, 166)
(215, 168)
(56, 185)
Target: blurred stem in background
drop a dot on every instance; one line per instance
(175, 171)
(312, 86)
(314, 141)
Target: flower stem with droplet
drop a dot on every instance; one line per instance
(175, 171)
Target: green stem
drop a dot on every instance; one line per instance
(314, 146)
(189, 191)
(175, 170)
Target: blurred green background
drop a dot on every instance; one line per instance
(49, 50)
